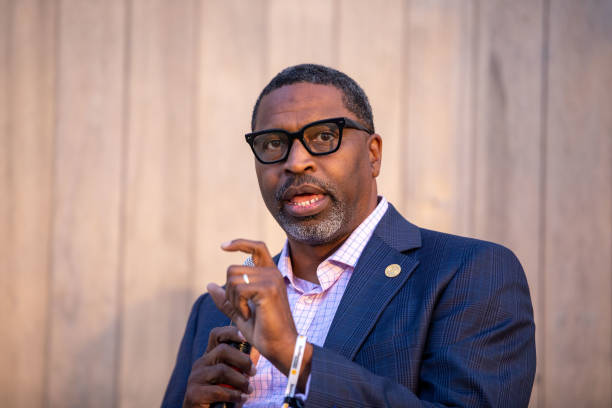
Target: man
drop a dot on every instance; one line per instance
(394, 315)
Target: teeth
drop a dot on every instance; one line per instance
(309, 202)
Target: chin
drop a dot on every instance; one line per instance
(318, 229)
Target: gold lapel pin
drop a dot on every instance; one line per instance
(393, 270)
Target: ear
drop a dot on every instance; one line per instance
(374, 144)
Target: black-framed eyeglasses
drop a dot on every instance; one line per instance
(318, 138)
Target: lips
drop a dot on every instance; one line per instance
(305, 200)
(301, 190)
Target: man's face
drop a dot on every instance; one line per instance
(317, 199)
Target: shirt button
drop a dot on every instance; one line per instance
(308, 300)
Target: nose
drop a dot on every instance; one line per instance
(299, 160)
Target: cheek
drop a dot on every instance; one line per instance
(349, 172)
(267, 181)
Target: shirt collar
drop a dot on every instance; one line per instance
(349, 252)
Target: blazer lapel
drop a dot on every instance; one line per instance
(370, 290)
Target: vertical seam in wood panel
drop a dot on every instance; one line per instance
(195, 148)
(610, 259)
(265, 66)
(57, 18)
(123, 182)
(404, 102)
(336, 33)
(266, 40)
(543, 183)
(8, 24)
(475, 58)
(9, 114)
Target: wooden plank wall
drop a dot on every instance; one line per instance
(28, 57)
(86, 232)
(123, 167)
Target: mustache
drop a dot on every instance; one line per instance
(300, 179)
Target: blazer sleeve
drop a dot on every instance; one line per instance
(175, 392)
(480, 348)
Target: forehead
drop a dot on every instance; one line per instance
(293, 106)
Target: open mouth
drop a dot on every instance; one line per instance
(304, 205)
(305, 200)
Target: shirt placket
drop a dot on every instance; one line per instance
(305, 311)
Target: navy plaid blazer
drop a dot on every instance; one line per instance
(454, 328)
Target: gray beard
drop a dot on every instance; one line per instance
(323, 231)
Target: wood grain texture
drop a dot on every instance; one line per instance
(159, 196)
(507, 156)
(370, 49)
(438, 115)
(123, 167)
(84, 298)
(5, 143)
(300, 32)
(232, 58)
(26, 162)
(578, 208)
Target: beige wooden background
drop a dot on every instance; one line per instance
(123, 167)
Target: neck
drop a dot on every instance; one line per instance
(305, 258)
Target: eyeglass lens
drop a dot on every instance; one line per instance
(319, 139)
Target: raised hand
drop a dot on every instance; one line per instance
(255, 298)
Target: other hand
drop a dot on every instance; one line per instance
(216, 367)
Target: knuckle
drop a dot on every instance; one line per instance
(213, 337)
(234, 396)
(224, 376)
(209, 358)
(214, 333)
(197, 373)
(199, 362)
(218, 393)
(234, 270)
(235, 280)
(244, 383)
(223, 350)
(219, 370)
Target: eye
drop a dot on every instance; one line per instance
(324, 137)
(272, 144)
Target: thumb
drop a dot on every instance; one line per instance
(217, 293)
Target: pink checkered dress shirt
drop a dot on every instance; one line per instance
(313, 306)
